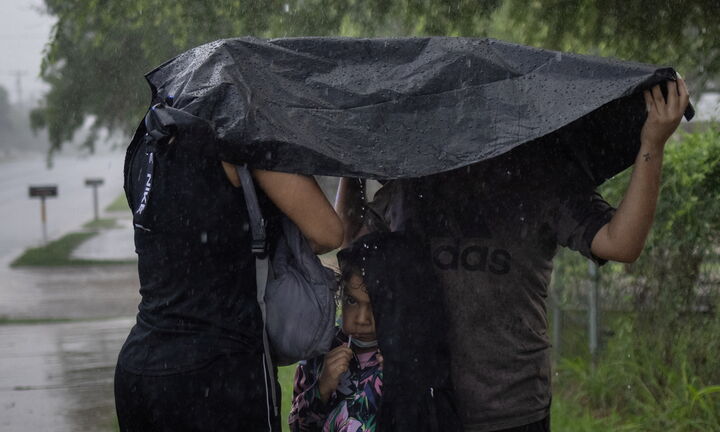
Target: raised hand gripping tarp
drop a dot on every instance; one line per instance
(406, 107)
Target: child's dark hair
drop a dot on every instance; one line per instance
(350, 262)
(348, 271)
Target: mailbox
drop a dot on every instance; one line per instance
(43, 191)
(94, 182)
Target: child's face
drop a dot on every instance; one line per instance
(357, 315)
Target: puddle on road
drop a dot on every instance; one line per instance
(59, 376)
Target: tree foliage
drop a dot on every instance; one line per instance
(99, 50)
(681, 34)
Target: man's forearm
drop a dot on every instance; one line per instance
(623, 238)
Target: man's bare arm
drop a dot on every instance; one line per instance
(623, 238)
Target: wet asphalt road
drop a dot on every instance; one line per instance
(57, 376)
(69, 292)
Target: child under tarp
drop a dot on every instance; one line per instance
(388, 369)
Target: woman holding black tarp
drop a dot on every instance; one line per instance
(194, 360)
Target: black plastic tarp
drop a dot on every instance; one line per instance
(405, 107)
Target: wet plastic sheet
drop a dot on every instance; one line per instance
(406, 107)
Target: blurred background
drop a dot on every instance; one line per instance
(635, 347)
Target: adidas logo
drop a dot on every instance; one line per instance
(472, 258)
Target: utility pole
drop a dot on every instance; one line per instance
(18, 74)
(18, 85)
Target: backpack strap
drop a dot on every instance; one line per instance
(257, 223)
(262, 265)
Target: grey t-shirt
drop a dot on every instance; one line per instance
(492, 231)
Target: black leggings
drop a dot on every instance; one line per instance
(229, 394)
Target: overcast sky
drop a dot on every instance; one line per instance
(24, 31)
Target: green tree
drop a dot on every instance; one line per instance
(681, 34)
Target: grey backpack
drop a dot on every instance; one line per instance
(296, 293)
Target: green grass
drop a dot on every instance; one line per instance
(119, 205)
(57, 253)
(101, 224)
(568, 415)
(286, 375)
(649, 376)
(26, 321)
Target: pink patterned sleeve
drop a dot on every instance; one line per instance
(308, 412)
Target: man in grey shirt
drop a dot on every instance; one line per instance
(491, 231)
